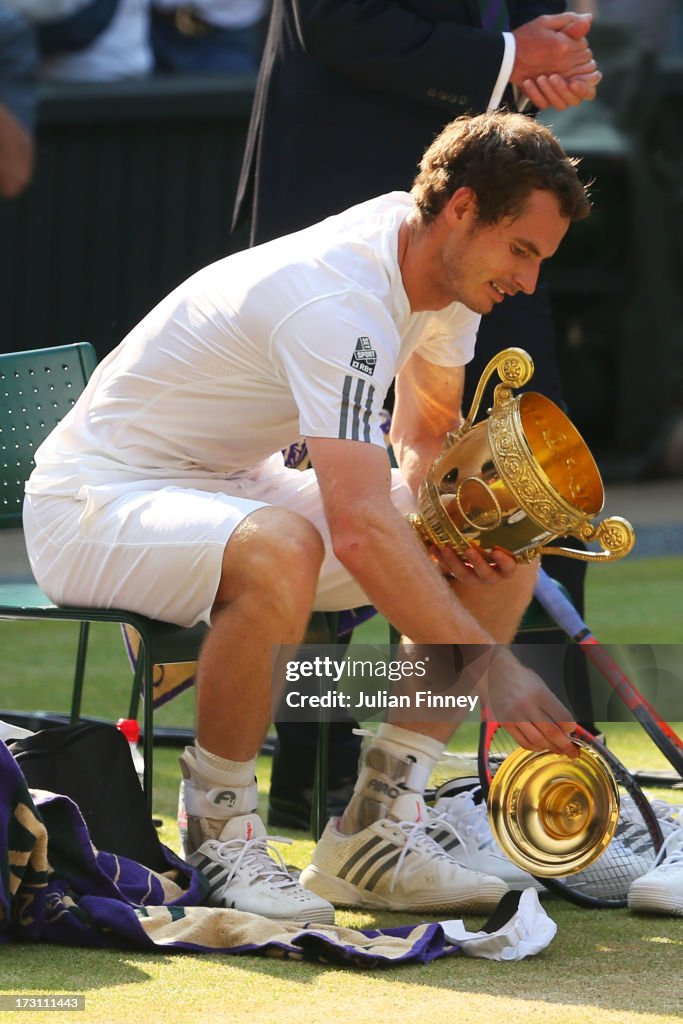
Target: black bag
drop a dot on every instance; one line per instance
(91, 764)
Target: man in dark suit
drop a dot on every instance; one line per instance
(349, 95)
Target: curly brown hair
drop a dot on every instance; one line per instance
(502, 157)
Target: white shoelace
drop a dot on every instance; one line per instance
(670, 816)
(416, 836)
(670, 857)
(471, 817)
(259, 857)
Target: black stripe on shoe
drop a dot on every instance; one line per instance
(204, 863)
(213, 871)
(220, 880)
(358, 855)
(446, 840)
(386, 851)
(382, 870)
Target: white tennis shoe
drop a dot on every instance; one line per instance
(245, 872)
(235, 853)
(661, 889)
(461, 827)
(394, 864)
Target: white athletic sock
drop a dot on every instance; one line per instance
(213, 769)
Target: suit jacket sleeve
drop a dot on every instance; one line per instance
(425, 49)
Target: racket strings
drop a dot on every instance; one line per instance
(630, 854)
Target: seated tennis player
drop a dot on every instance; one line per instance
(164, 492)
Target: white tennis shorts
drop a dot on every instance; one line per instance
(156, 547)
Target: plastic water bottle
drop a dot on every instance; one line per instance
(131, 730)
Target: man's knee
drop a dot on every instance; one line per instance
(273, 549)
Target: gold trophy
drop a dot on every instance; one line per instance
(520, 478)
(553, 815)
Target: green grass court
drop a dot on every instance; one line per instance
(604, 966)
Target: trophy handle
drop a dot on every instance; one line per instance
(515, 368)
(615, 535)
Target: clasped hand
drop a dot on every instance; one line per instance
(554, 66)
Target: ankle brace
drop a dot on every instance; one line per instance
(383, 777)
(220, 802)
(213, 793)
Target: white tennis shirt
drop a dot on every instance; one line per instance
(301, 336)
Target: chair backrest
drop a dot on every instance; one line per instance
(37, 389)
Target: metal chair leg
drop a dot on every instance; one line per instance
(139, 684)
(79, 672)
(148, 724)
(319, 806)
(322, 753)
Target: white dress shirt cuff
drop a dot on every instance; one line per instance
(505, 71)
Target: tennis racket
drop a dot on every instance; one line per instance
(568, 619)
(630, 854)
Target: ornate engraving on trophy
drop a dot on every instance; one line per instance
(518, 479)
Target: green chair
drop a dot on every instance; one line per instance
(37, 389)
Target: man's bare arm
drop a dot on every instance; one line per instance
(427, 406)
(379, 548)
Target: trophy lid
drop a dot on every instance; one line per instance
(553, 815)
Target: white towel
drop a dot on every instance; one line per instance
(527, 930)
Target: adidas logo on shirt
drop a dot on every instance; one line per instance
(364, 357)
(356, 409)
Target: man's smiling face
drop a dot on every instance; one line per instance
(482, 263)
